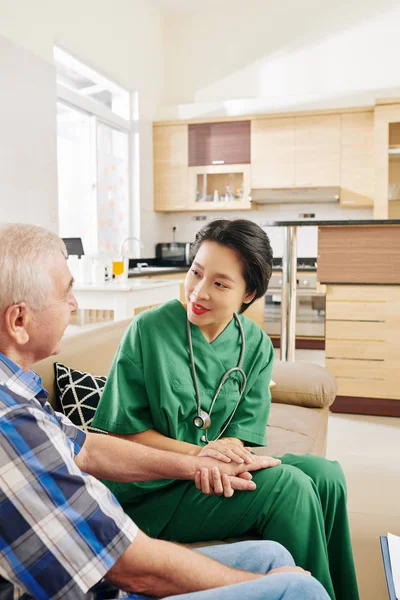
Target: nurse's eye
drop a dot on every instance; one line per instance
(195, 273)
(221, 285)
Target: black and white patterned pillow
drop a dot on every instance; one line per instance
(78, 394)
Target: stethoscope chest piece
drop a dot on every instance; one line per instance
(202, 420)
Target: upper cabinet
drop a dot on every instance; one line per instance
(170, 152)
(295, 151)
(357, 160)
(317, 150)
(272, 153)
(226, 143)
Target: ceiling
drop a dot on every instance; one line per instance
(188, 6)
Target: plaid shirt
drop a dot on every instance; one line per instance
(61, 530)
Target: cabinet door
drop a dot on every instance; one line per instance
(272, 152)
(170, 144)
(357, 160)
(219, 143)
(317, 142)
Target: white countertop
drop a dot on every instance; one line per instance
(129, 285)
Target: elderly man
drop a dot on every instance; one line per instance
(62, 534)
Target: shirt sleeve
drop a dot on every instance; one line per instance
(75, 435)
(124, 405)
(250, 421)
(61, 530)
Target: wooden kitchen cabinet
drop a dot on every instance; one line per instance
(219, 143)
(357, 160)
(298, 151)
(272, 153)
(170, 155)
(317, 150)
(362, 333)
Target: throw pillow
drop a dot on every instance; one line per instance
(78, 394)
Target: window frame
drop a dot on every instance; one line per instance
(102, 114)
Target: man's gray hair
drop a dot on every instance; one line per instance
(25, 253)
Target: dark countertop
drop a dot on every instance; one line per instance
(156, 271)
(312, 222)
(160, 271)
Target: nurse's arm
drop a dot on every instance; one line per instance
(153, 439)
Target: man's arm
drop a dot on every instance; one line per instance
(108, 457)
(157, 568)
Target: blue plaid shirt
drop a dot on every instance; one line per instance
(61, 530)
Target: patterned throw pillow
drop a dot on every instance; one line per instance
(78, 394)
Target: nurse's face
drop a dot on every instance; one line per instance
(215, 287)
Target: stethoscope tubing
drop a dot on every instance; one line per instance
(202, 416)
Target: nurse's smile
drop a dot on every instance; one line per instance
(198, 309)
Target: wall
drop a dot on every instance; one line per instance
(121, 38)
(307, 243)
(28, 161)
(260, 56)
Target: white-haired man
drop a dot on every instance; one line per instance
(62, 533)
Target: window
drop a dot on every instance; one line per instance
(94, 139)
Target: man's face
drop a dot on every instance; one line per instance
(48, 325)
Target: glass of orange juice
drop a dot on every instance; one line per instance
(118, 268)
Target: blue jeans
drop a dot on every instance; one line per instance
(258, 557)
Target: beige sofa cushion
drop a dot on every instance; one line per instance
(303, 384)
(91, 351)
(296, 430)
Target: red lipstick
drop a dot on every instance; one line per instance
(198, 309)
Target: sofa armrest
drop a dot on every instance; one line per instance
(302, 384)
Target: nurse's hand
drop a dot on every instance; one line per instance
(227, 452)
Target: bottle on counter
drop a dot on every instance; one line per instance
(215, 196)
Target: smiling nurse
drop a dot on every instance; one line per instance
(196, 380)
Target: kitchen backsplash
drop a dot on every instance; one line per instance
(187, 225)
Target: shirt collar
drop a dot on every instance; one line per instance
(28, 385)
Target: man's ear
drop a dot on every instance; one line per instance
(17, 319)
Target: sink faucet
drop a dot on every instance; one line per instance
(127, 240)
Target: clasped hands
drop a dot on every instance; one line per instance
(234, 473)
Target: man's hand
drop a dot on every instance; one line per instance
(227, 478)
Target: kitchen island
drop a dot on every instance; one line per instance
(359, 263)
(125, 298)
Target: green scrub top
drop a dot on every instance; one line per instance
(150, 386)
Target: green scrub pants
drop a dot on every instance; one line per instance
(301, 504)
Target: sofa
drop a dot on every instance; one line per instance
(300, 399)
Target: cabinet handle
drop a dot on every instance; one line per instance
(179, 206)
(218, 162)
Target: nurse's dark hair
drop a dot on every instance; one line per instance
(251, 244)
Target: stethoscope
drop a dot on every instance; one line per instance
(203, 419)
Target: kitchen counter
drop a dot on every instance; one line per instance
(126, 296)
(155, 271)
(330, 223)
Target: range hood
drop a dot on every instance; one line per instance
(295, 195)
